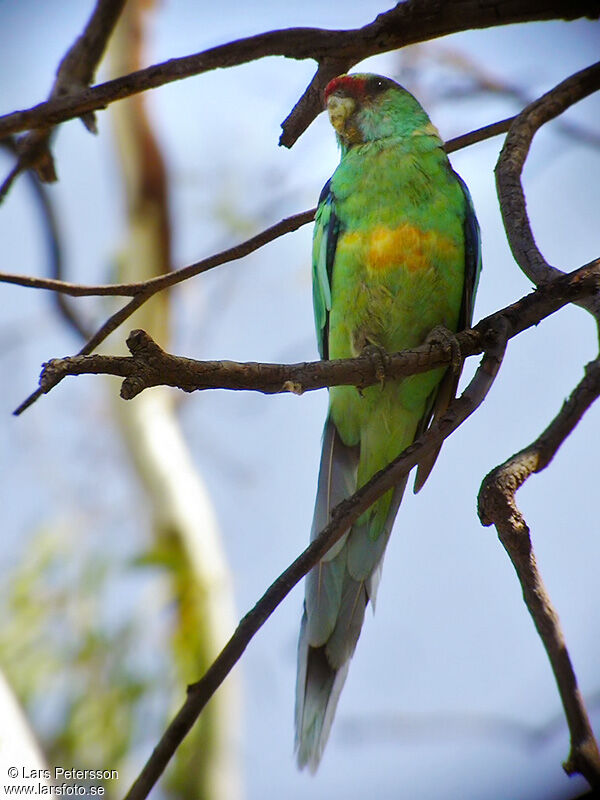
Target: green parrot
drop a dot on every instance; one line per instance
(396, 253)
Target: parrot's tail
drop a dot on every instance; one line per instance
(318, 688)
(337, 592)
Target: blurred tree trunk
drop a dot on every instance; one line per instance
(186, 534)
(20, 750)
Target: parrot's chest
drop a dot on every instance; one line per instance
(399, 258)
(389, 287)
(380, 290)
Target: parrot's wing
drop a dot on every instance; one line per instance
(324, 243)
(446, 391)
(472, 258)
(318, 685)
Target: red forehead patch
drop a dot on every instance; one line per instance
(350, 84)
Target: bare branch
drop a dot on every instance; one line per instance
(149, 365)
(343, 516)
(407, 23)
(497, 503)
(497, 506)
(510, 166)
(79, 64)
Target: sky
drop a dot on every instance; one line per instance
(449, 685)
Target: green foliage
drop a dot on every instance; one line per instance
(69, 667)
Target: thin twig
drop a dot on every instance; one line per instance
(153, 285)
(111, 324)
(343, 516)
(479, 135)
(9, 180)
(140, 292)
(480, 81)
(55, 251)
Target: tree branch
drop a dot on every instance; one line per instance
(342, 517)
(407, 23)
(149, 365)
(510, 167)
(497, 503)
(497, 506)
(479, 135)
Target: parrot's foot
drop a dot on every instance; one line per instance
(443, 336)
(379, 359)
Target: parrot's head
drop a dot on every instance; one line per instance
(364, 108)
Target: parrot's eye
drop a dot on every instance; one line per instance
(377, 85)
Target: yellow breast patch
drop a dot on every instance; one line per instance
(407, 246)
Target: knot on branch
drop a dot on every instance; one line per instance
(34, 153)
(294, 387)
(143, 346)
(148, 364)
(496, 504)
(584, 759)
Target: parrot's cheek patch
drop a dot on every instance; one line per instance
(339, 110)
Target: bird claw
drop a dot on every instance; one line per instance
(442, 336)
(379, 358)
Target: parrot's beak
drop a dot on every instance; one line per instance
(339, 110)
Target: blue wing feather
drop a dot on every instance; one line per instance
(472, 257)
(324, 244)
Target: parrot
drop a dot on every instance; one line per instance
(396, 256)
